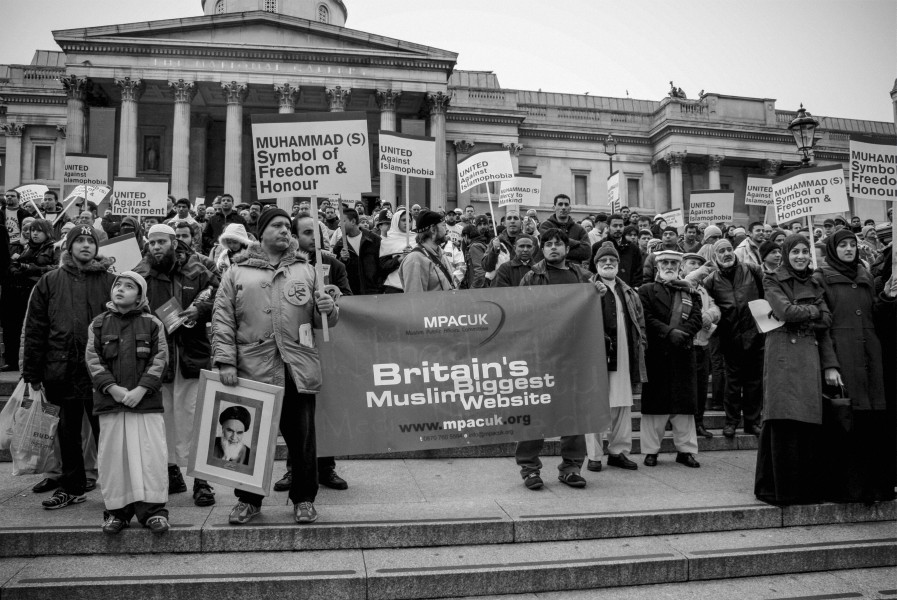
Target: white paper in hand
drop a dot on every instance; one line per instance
(762, 314)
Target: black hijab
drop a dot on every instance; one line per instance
(795, 239)
(848, 269)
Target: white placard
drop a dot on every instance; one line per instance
(125, 250)
(873, 168)
(758, 191)
(409, 155)
(763, 316)
(313, 154)
(484, 167)
(813, 191)
(523, 190)
(139, 197)
(33, 192)
(86, 169)
(613, 193)
(711, 206)
(674, 218)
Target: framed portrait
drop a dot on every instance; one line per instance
(235, 433)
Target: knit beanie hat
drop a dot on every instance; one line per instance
(266, 217)
(79, 231)
(766, 248)
(235, 232)
(139, 280)
(605, 249)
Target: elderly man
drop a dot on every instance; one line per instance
(271, 339)
(673, 318)
(229, 446)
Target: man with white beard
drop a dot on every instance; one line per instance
(234, 421)
(672, 319)
(624, 341)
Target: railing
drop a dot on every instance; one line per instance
(579, 115)
(44, 73)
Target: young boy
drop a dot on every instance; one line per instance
(126, 355)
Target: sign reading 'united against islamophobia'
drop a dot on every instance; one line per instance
(711, 206)
(484, 167)
(409, 155)
(445, 370)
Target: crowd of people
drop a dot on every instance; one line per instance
(678, 329)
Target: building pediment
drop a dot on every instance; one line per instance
(254, 35)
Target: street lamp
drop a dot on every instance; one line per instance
(803, 128)
(610, 148)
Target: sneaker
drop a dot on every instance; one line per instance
(572, 479)
(113, 525)
(242, 513)
(533, 481)
(305, 512)
(158, 524)
(283, 484)
(90, 485)
(47, 485)
(203, 495)
(61, 499)
(176, 483)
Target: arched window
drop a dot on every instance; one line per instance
(323, 14)
(220, 7)
(270, 6)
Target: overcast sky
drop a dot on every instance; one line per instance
(838, 57)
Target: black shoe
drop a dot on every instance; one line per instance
(203, 495)
(47, 485)
(621, 461)
(702, 431)
(533, 481)
(573, 480)
(90, 485)
(753, 429)
(650, 460)
(687, 459)
(112, 525)
(283, 484)
(8, 368)
(176, 483)
(594, 465)
(729, 431)
(333, 481)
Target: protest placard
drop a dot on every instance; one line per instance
(873, 168)
(806, 192)
(758, 191)
(711, 206)
(674, 218)
(446, 370)
(523, 190)
(135, 197)
(86, 169)
(408, 155)
(95, 194)
(484, 167)
(32, 193)
(312, 154)
(613, 193)
(124, 250)
(199, 204)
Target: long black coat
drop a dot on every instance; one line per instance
(672, 386)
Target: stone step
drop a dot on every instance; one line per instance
(453, 571)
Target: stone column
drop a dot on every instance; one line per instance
(387, 101)
(338, 97)
(438, 104)
(661, 196)
(286, 98)
(199, 137)
(184, 92)
(514, 149)
(234, 93)
(713, 165)
(674, 160)
(76, 89)
(131, 90)
(13, 132)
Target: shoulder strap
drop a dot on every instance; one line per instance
(436, 262)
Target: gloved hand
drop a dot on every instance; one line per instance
(678, 338)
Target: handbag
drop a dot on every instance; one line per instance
(836, 407)
(8, 414)
(34, 433)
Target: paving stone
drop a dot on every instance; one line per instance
(821, 514)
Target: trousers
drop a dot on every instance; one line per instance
(75, 400)
(573, 452)
(179, 403)
(619, 440)
(685, 437)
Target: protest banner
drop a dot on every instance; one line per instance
(807, 192)
(613, 193)
(409, 156)
(758, 191)
(311, 154)
(711, 206)
(96, 194)
(674, 218)
(32, 193)
(447, 370)
(135, 197)
(483, 168)
(86, 169)
(523, 190)
(124, 250)
(873, 168)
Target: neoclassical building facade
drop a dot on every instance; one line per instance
(172, 99)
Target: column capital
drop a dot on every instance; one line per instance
(675, 159)
(12, 129)
(131, 89)
(183, 91)
(388, 99)
(438, 102)
(287, 94)
(61, 129)
(338, 97)
(76, 88)
(513, 148)
(464, 146)
(234, 91)
(771, 167)
(714, 161)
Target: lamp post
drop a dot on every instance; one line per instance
(803, 128)
(610, 148)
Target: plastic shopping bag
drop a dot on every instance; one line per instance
(34, 432)
(7, 415)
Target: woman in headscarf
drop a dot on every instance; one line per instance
(394, 246)
(859, 458)
(788, 466)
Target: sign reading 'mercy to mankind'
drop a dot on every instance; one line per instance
(523, 190)
(408, 155)
(484, 167)
(711, 206)
(312, 154)
(139, 197)
(813, 191)
(873, 168)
